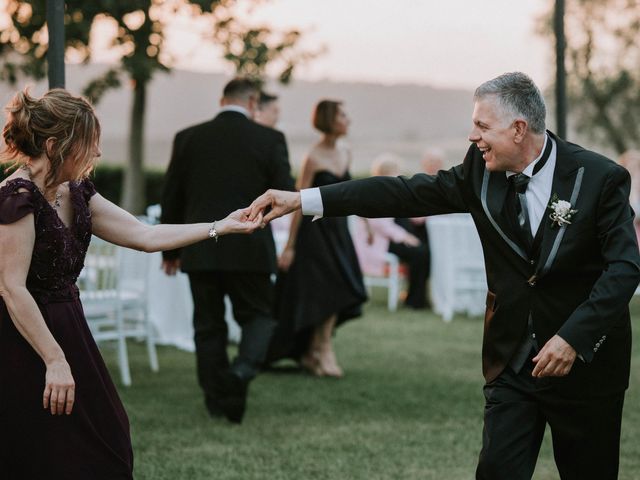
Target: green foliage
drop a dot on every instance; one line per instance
(603, 54)
(108, 180)
(252, 49)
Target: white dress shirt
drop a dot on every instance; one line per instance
(538, 191)
(236, 108)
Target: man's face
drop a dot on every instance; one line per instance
(494, 134)
(268, 114)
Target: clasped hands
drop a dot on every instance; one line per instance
(271, 204)
(246, 220)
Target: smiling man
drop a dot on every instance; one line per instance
(562, 264)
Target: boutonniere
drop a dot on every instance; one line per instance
(561, 212)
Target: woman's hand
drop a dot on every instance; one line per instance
(411, 241)
(238, 222)
(60, 388)
(286, 259)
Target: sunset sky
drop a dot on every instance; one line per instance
(454, 43)
(445, 43)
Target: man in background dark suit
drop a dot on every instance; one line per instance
(557, 332)
(215, 167)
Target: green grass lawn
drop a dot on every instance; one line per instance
(409, 407)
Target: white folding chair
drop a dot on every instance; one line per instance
(134, 297)
(113, 289)
(100, 299)
(390, 281)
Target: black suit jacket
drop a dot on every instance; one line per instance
(577, 285)
(217, 167)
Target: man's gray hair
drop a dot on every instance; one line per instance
(519, 96)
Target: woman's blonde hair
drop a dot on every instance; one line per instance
(68, 119)
(386, 164)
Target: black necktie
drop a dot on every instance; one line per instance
(518, 186)
(519, 183)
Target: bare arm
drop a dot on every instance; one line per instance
(17, 240)
(307, 171)
(118, 226)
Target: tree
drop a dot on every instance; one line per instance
(140, 42)
(603, 77)
(252, 49)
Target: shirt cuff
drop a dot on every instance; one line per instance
(311, 202)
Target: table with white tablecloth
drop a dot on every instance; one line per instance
(170, 307)
(458, 280)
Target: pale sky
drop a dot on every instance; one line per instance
(443, 43)
(453, 43)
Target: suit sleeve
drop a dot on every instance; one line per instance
(173, 193)
(589, 324)
(280, 169)
(420, 195)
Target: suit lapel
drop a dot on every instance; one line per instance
(493, 194)
(567, 179)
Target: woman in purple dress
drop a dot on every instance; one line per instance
(60, 415)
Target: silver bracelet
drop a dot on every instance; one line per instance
(213, 233)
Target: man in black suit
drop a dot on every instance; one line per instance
(557, 335)
(216, 166)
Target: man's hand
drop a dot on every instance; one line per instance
(555, 359)
(281, 203)
(170, 267)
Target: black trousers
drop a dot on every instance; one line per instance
(251, 296)
(417, 259)
(585, 431)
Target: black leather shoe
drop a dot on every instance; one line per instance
(213, 407)
(234, 401)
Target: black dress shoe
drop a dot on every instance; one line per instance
(233, 402)
(213, 407)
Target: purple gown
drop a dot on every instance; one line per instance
(93, 442)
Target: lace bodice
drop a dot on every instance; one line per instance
(59, 251)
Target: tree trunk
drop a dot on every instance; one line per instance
(133, 193)
(561, 75)
(55, 53)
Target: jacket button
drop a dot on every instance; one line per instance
(532, 262)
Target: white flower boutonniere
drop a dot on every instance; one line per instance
(561, 212)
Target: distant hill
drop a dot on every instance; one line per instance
(405, 119)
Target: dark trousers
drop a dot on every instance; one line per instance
(251, 296)
(417, 259)
(585, 431)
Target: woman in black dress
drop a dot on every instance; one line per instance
(322, 286)
(60, 415)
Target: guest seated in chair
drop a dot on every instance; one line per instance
(375, 237)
